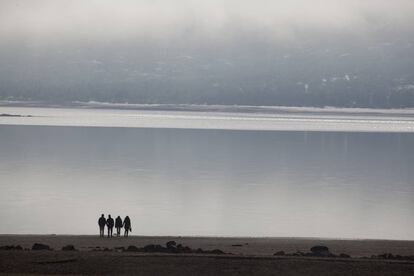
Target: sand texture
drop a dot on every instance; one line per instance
(247, 256)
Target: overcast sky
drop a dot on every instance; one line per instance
(211, 51)
(162, 19)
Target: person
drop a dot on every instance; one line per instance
(110, 225)
(101, 223)
(118, 226)
(127, 226)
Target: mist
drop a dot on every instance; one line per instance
(163, 20)
(314, 53)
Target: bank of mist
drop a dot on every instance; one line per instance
(324, 53)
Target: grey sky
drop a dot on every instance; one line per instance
(261, 52)
(163, 19)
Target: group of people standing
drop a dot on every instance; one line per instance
(110, 223)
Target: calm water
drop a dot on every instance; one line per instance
(171, 181)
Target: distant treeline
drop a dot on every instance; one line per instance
(341, 94)
(344, 71)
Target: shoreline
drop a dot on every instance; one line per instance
(92, 255)
(253, 246)
(212, 237)
(264, 109)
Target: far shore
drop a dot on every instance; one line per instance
(13, 115)
(314, 110)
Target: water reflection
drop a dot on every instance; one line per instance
(207, 182)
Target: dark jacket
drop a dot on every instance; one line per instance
(118, 222)
(127, 223)
(102, 222)
(110, 222)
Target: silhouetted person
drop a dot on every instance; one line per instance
(101, 223)
(110, 225)
(118, 226)
(127, 226)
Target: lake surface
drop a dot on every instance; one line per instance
(199, 174)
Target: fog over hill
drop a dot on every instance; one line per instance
(264, 52)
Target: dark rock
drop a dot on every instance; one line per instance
(132, 248)
(39, 246)
(14, 115)
(217, 252)
(320, 251)
(186, 249)
(171, 244)
(201, 251)
(237, 245)
(149, 248)
(69, 248)
(100, 249)
(407, 258)
(155, 248)
(183, 249)
(11, 247)
(279, 253)
(389, 256)
(299, 254)
(343, 255)
(172, 248)
(385, 256)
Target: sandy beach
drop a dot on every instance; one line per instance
(246, 256)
